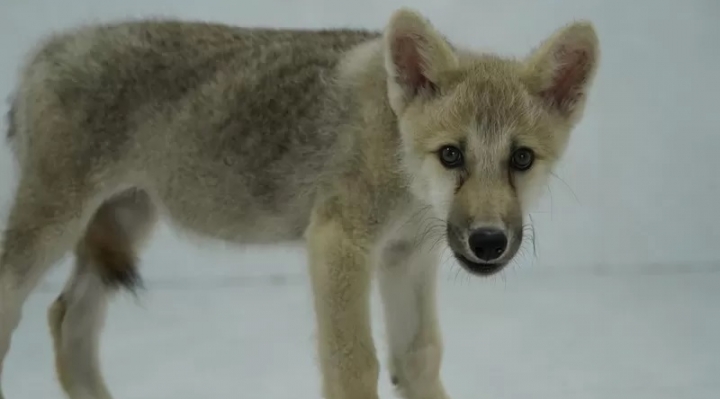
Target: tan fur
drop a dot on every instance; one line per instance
(266, 136)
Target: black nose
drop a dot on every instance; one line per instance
(488, 243)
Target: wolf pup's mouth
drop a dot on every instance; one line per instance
(482, 269)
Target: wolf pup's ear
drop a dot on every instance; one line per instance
(414, 54)
(561, 70)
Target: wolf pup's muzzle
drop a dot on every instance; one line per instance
(483, 251)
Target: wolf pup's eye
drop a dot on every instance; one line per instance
(451, 157)
(522, 159)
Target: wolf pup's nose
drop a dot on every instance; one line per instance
(488, 243)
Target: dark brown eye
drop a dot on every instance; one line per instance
(451, 157)
(522, 159)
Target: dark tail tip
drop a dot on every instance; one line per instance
(118, 269)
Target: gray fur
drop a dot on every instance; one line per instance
(231, 114)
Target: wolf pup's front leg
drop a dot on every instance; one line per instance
(340, 271)
(407, 276)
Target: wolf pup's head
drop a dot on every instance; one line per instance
(481, 133)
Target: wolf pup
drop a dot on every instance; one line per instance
(371, 147)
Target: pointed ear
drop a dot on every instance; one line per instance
(414, 54)
(561, 70)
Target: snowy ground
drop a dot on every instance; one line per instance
(621, 302)
(529, 335)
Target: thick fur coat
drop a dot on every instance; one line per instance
(370, 146)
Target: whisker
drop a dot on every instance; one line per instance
(566, 185)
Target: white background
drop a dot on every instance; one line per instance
(621, 300)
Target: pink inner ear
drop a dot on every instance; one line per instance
(569, 78)
(409, 62)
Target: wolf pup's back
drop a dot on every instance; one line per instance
(244, 116)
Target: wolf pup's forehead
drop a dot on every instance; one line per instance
(474, 99)
(492, 100)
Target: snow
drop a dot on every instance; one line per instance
(620, 302)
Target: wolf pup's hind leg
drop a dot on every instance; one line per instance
(105, 261)
(44, 223)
